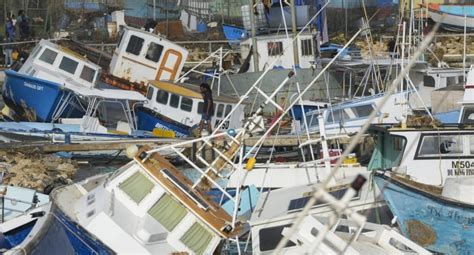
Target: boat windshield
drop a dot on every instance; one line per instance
(388, 151)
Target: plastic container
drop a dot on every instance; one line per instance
(201, 27)
(260, 20)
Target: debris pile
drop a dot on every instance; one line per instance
(379, 49)
(36, 171)
(450, 50)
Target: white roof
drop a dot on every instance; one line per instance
(107, 93)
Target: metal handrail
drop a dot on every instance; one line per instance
(3, 198)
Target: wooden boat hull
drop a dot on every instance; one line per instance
(436, 223)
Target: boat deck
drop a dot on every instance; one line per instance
(215, 216)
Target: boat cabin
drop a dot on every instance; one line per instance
(349, 116)
(427, 155)
(271, 47)
(431, 79)
(141, 56)
(147, 207)
(183, 103)
(49, 61)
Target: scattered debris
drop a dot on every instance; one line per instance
(36, 171)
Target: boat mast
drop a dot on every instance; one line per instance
(254, 38)
(296, 58)
(464, 48)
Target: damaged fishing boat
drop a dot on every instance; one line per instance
(57, 85)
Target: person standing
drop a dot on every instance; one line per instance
(208, 107)
(10, 38)
(24, 27)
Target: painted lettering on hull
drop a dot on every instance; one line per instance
(33, 86)
(224, 126)
(461, 168)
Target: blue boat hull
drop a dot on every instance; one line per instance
(34, 99)
(148, 121)
(438, 224)
(14, 237)
(63, 236)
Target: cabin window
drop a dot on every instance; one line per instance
(309, 120)
(437, 146)
(87, 74)
(197, 238)
(200, 107)
(362, 111)
(451, 81)
(174, 101)
(135, 45)
(186, 104)
(275, 48)
(270, 237)
(306, 47)
(339, 116)
(48, 56)
(154, 52)
(149, 93)
(220, 110)
(162, 97)
(468, 115)
(137, 187)
(68, 65)
(428, 81)
(167, 212)
(228, 109)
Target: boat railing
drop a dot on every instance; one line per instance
(6, 210)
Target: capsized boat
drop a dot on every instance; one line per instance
(147, 206)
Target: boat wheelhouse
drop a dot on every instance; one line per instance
(349, 116)
(427, 155)
(141, 56)
(46, 81)
(178, 107)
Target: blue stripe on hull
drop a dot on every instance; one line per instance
(148, 121)
(37, 95)
(435, 223)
